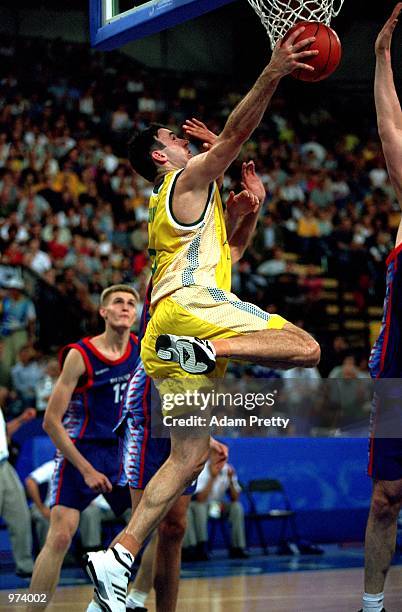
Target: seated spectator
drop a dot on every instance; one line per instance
(26, 374)
(5, 379)
(308, 230)
(13, 504)
(18, 321)
(91, 518)
(275, 266)
(350, 395)
(215, 481)
(37, 260)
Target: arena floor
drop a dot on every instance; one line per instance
(328, 583)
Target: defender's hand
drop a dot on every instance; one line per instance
(384, 38)
(252, 182)
(242, 204)
(197, 129)
(289, 55)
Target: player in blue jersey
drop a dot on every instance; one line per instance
(143, 454)
(385, 459)
(82, 412)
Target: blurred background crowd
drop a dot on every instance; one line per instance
(73, 216)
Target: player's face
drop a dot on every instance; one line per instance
(120, 310)
(176, 149)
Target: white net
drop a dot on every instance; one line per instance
(278, 16)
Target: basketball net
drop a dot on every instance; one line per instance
(278, 16)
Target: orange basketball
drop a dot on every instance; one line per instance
(328, 45)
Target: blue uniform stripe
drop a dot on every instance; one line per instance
(220, 296)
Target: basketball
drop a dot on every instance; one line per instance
(328, 45)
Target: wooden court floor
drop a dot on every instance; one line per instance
(322, 591)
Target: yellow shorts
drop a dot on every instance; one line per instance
(207, 313)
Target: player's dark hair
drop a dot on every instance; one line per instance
(140, 146)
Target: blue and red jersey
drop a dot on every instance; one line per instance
(137, 397)
(95, 405)
(386, 355)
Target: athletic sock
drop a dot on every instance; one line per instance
(124, 554)
(136, 599)
(373, 603)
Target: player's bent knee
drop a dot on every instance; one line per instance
(383, 508)
(60, 541)
(311, 353)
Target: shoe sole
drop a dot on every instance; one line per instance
(166, 351)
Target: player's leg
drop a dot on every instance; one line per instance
(144, 578)
(63, 525)
(133, 599)
(110, 572)
(286, 347)
(168, 555)
(380, 540)
(289, 347)
(187, 459)
(229, 328)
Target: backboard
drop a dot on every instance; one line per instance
(114, 23)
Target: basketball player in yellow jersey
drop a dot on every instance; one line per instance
(191, 297)
(191, 256)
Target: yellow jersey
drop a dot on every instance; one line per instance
(185, 255)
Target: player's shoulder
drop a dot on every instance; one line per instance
(395, 254)
(72, 359)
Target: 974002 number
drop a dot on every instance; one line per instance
(24, 598)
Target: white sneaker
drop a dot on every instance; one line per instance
(194, 355)
(109, 571)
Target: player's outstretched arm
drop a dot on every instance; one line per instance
(389, 114)
(286, 57)
(72, 371)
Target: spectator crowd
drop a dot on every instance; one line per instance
(74, 216)
(73, 220)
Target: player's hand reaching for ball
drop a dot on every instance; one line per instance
(97, 481)
(289, 55)
(384, 38)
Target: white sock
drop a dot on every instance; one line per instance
(373, 603)
(124, 553)
(136, 598)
